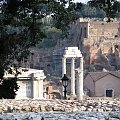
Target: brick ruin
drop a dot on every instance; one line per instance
(100, 44)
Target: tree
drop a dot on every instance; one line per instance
(52, 36)
(20, 25)
(90, 12)
(8, 88)
(63, 15)
(111, 7)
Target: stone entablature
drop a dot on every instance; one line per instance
(26, 73)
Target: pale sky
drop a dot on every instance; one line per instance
(83, 1)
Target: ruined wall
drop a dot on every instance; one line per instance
(99, 42)
(102, 46)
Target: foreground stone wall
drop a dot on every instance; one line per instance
(61, 116)
(90, 104)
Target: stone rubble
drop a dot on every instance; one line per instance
(35, 109)
(36, 105)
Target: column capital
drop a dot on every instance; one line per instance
(64, 57)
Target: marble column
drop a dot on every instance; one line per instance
(40, 88)
(32, 86)
(80, 81)
(63, 66)
(73, 76)
(63, 72)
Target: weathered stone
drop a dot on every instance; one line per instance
(49, 108)
(26, 108)
(89, 109)
(108, 109)
(17, 108)
(115, 115)
(42, 107)
(59, 108)
(75, 108)
(82, 108)
(100, 110)
(113, 119)
(68, 109)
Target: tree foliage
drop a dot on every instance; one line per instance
(52, 36)
(8, 88)
(111, 7)
(63, 13)
(91, 12)
(20, 24)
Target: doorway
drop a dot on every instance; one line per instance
(109, 93)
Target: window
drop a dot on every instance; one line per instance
(85, 32)
(116, 36)
(109, 93)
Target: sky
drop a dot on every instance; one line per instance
(83, 1)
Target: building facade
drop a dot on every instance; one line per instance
(30, 82)
(102, 84)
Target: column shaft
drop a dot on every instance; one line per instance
(80, 81)
(40, 89)
(73, 76)
(32, 86)
(63, 71)
(63, 66)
